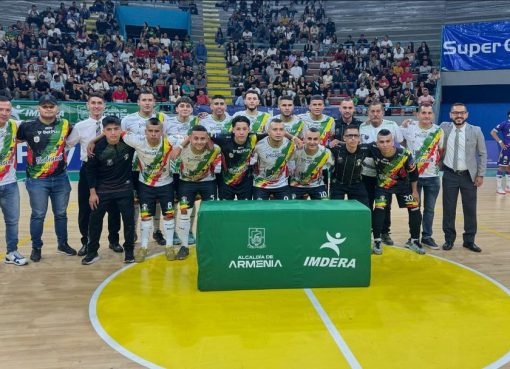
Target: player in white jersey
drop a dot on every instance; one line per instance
(307, 165)
(368, 132)
(258, 119)
(9, 192)
(425, 141)
(196, 177)
(316, 119)
(155, 183)
(293, 123)
(83, 133)
(218, 122)
(271, 172)
(136, 123)
(179, 128)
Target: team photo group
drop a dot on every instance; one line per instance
(147, 170)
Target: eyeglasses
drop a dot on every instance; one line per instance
(351, 136)
(458, 112)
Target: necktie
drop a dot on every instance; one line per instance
(456, 149)
(98, 128)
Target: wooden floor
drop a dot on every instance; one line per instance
(44, 306)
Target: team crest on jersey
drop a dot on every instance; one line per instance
(230, 155)
(126, 156)
(37, 139)
(358, 162)
(109, 162)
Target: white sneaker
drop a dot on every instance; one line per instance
(500, 191)
(14, 257)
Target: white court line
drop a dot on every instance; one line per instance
(100, 330)
(505, 359)
(342, 345)
(337, 337)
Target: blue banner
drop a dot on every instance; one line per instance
(476, 46)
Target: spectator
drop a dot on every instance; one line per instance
(219, 38)
(362, 93)
(202, 98)
(201, 52)
(57, 87)
(422, 52)
(398, 52)
(119, 95)
(426, 98)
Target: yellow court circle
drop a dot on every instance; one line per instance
(419, 312)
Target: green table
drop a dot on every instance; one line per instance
(283, 244)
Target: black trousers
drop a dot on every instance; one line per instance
(355, 191)
(84, 211)
(453, 184)
(370, 185)
(125, 203)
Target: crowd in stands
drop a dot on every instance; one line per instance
(364, 71)
(52, 53)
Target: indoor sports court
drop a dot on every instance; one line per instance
(444, 309)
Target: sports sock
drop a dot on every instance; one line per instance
(169, 228)
(145, 227)
(184, 227)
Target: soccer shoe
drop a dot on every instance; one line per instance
(417, 247)
(35, 256)
(430, 243)
(386, 239)
(500, 191)
(65, 249)
(191, 239)
(176, 241)
(183, 253)
(90, 259)
(141, 254)
(14, 257)
(377, 248)
(170, 253)
(158, 237)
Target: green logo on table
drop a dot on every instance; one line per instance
(256, 238)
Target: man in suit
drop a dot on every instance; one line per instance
(464, 160)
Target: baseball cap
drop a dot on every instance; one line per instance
(48, 99)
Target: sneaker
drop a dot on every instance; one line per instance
(83, 250)
(430, 243)
(14, 257)
(66, 250)
(176, 241)
(141, 254)
(170, 253)
(116, 247)
(417, 247)
(377, 248)
(183, 253)
(158, 237)
(35, 256)
(129, 257)
(386, 239)
(507, 189)
(90, 259)
(500, 191)
(191, 239)
(408, 243)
